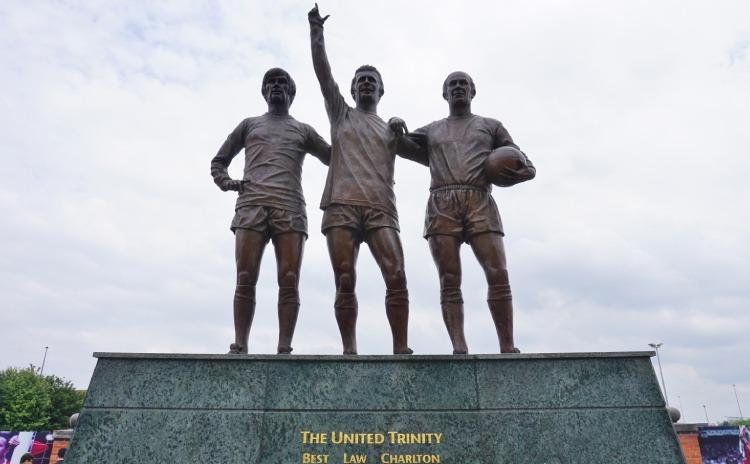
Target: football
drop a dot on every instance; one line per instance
(506, 166)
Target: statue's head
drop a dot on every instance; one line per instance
(278, 87)
(367, 84)
(458, 88)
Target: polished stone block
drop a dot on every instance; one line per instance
(481, 409)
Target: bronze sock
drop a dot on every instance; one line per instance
(500, 301)
(244, 310)
(397, 311)
(452, 305)
(346, 317)
(288, 311)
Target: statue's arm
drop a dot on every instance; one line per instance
(317, 146)
(503, 139)
(412, 146)
(229, 149)
(333, 98)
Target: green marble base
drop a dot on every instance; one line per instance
(488, 409)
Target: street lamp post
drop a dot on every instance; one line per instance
(679, 399)
(656, 346)
(41, 371)
(738, 400)
(705, 411)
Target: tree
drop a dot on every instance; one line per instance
(29, 401)
(736, 422)
(66, 400)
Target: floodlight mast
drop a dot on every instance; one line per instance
(44, 360)
(656, 346)
(738, 401)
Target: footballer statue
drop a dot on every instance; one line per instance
(358, 201)
(270, 204)
(466, 154)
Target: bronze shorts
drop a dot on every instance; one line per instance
(461, 211)
(360, 218)
(269, 221)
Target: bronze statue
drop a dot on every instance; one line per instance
(460, 207)
(270, 205)
(358, 202)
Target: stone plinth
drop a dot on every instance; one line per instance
(488, 409)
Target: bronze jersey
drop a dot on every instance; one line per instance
(458, 147)
(363, 148)
(362, 160)
(275, 147)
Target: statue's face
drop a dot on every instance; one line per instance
(276, 89)
(366, 87)
(457, 89)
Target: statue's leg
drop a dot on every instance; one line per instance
(249, 245)
(489, 250)
(343, 248)
(289, 249)
(446, 254)
(385, 245)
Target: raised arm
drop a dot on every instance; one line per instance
(328, 86)
(219, 164)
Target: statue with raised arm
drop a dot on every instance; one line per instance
(463, 152)
(358, 202)
(270, 205)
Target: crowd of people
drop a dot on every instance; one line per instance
(37, 451)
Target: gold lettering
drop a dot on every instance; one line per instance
(343, 438)
(355, 459)
(398, 438)
(310, 438)
(387, 458)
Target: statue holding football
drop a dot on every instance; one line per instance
(466, 154)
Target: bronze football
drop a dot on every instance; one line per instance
(506, 166)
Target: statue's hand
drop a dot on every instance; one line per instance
(314, 16)
(398, 126)
(231, 184)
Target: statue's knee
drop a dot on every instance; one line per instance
(450, 279)
(497, 275)
(345, 282)
(288, 279)
(246, 278)
(396, 279)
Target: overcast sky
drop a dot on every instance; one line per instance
(636, 229)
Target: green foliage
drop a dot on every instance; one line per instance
(737, 422)
(29, 401)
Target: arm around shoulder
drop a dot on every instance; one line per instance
(410, 145)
